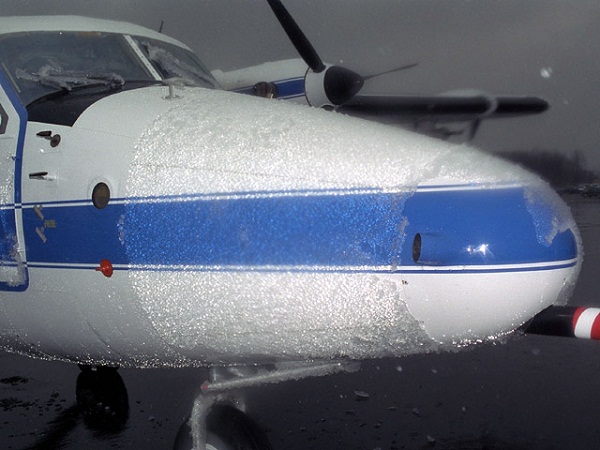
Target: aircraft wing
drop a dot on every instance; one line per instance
(290, 80)
(517, 106)
(427, 113)
(310, 80)
(444, 107)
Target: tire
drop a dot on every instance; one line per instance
(228, 428)
(102, 400)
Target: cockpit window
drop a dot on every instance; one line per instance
(171, 61)
(40, 63)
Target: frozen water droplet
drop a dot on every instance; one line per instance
(546, 72)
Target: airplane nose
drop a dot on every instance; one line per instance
(485, 260)
(330, 248)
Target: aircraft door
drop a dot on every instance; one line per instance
(13, 120)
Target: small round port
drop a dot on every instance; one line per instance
(416, 247)
(101, 195)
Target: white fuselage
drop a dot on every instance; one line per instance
(246, 230)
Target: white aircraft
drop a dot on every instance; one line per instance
(294, 81)
(150, 219)
(311, 81)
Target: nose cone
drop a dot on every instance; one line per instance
(329, 236)
(487, 259)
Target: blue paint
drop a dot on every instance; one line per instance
(7, 230)
(371, 232)
(7, 214)
(500, 222)
(290, 88)
(293, 87)
(78, 234)
(6, 86)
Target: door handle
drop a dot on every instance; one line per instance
(41, 176)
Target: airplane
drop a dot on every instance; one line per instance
(149, 219)
(292, 80)
(309, 80)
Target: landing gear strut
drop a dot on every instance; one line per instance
(218, 420)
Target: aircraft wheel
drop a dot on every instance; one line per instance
(228, 428)
(102, 400)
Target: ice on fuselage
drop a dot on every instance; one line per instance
(237, 143)
(237, 146)
(183, 166)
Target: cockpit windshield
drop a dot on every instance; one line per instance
(40, 63)
(172, 61)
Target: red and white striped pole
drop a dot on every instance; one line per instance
(571, 321)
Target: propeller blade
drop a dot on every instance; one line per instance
(298, 38)
(340, 85)
(397, 69)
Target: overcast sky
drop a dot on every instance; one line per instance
(549, 48)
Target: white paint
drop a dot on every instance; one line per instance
(585, 322)
(212, 142)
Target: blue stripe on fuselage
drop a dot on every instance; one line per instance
(290, 88)
(337, 230)
(8, 225)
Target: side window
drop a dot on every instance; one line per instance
(3, 120)
(173, 61)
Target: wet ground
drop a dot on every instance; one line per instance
(532, 392)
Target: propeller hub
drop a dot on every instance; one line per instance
(341, 84)
(332, 87)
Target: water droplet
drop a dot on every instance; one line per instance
(546, 72)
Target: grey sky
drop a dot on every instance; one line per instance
(541, 47)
